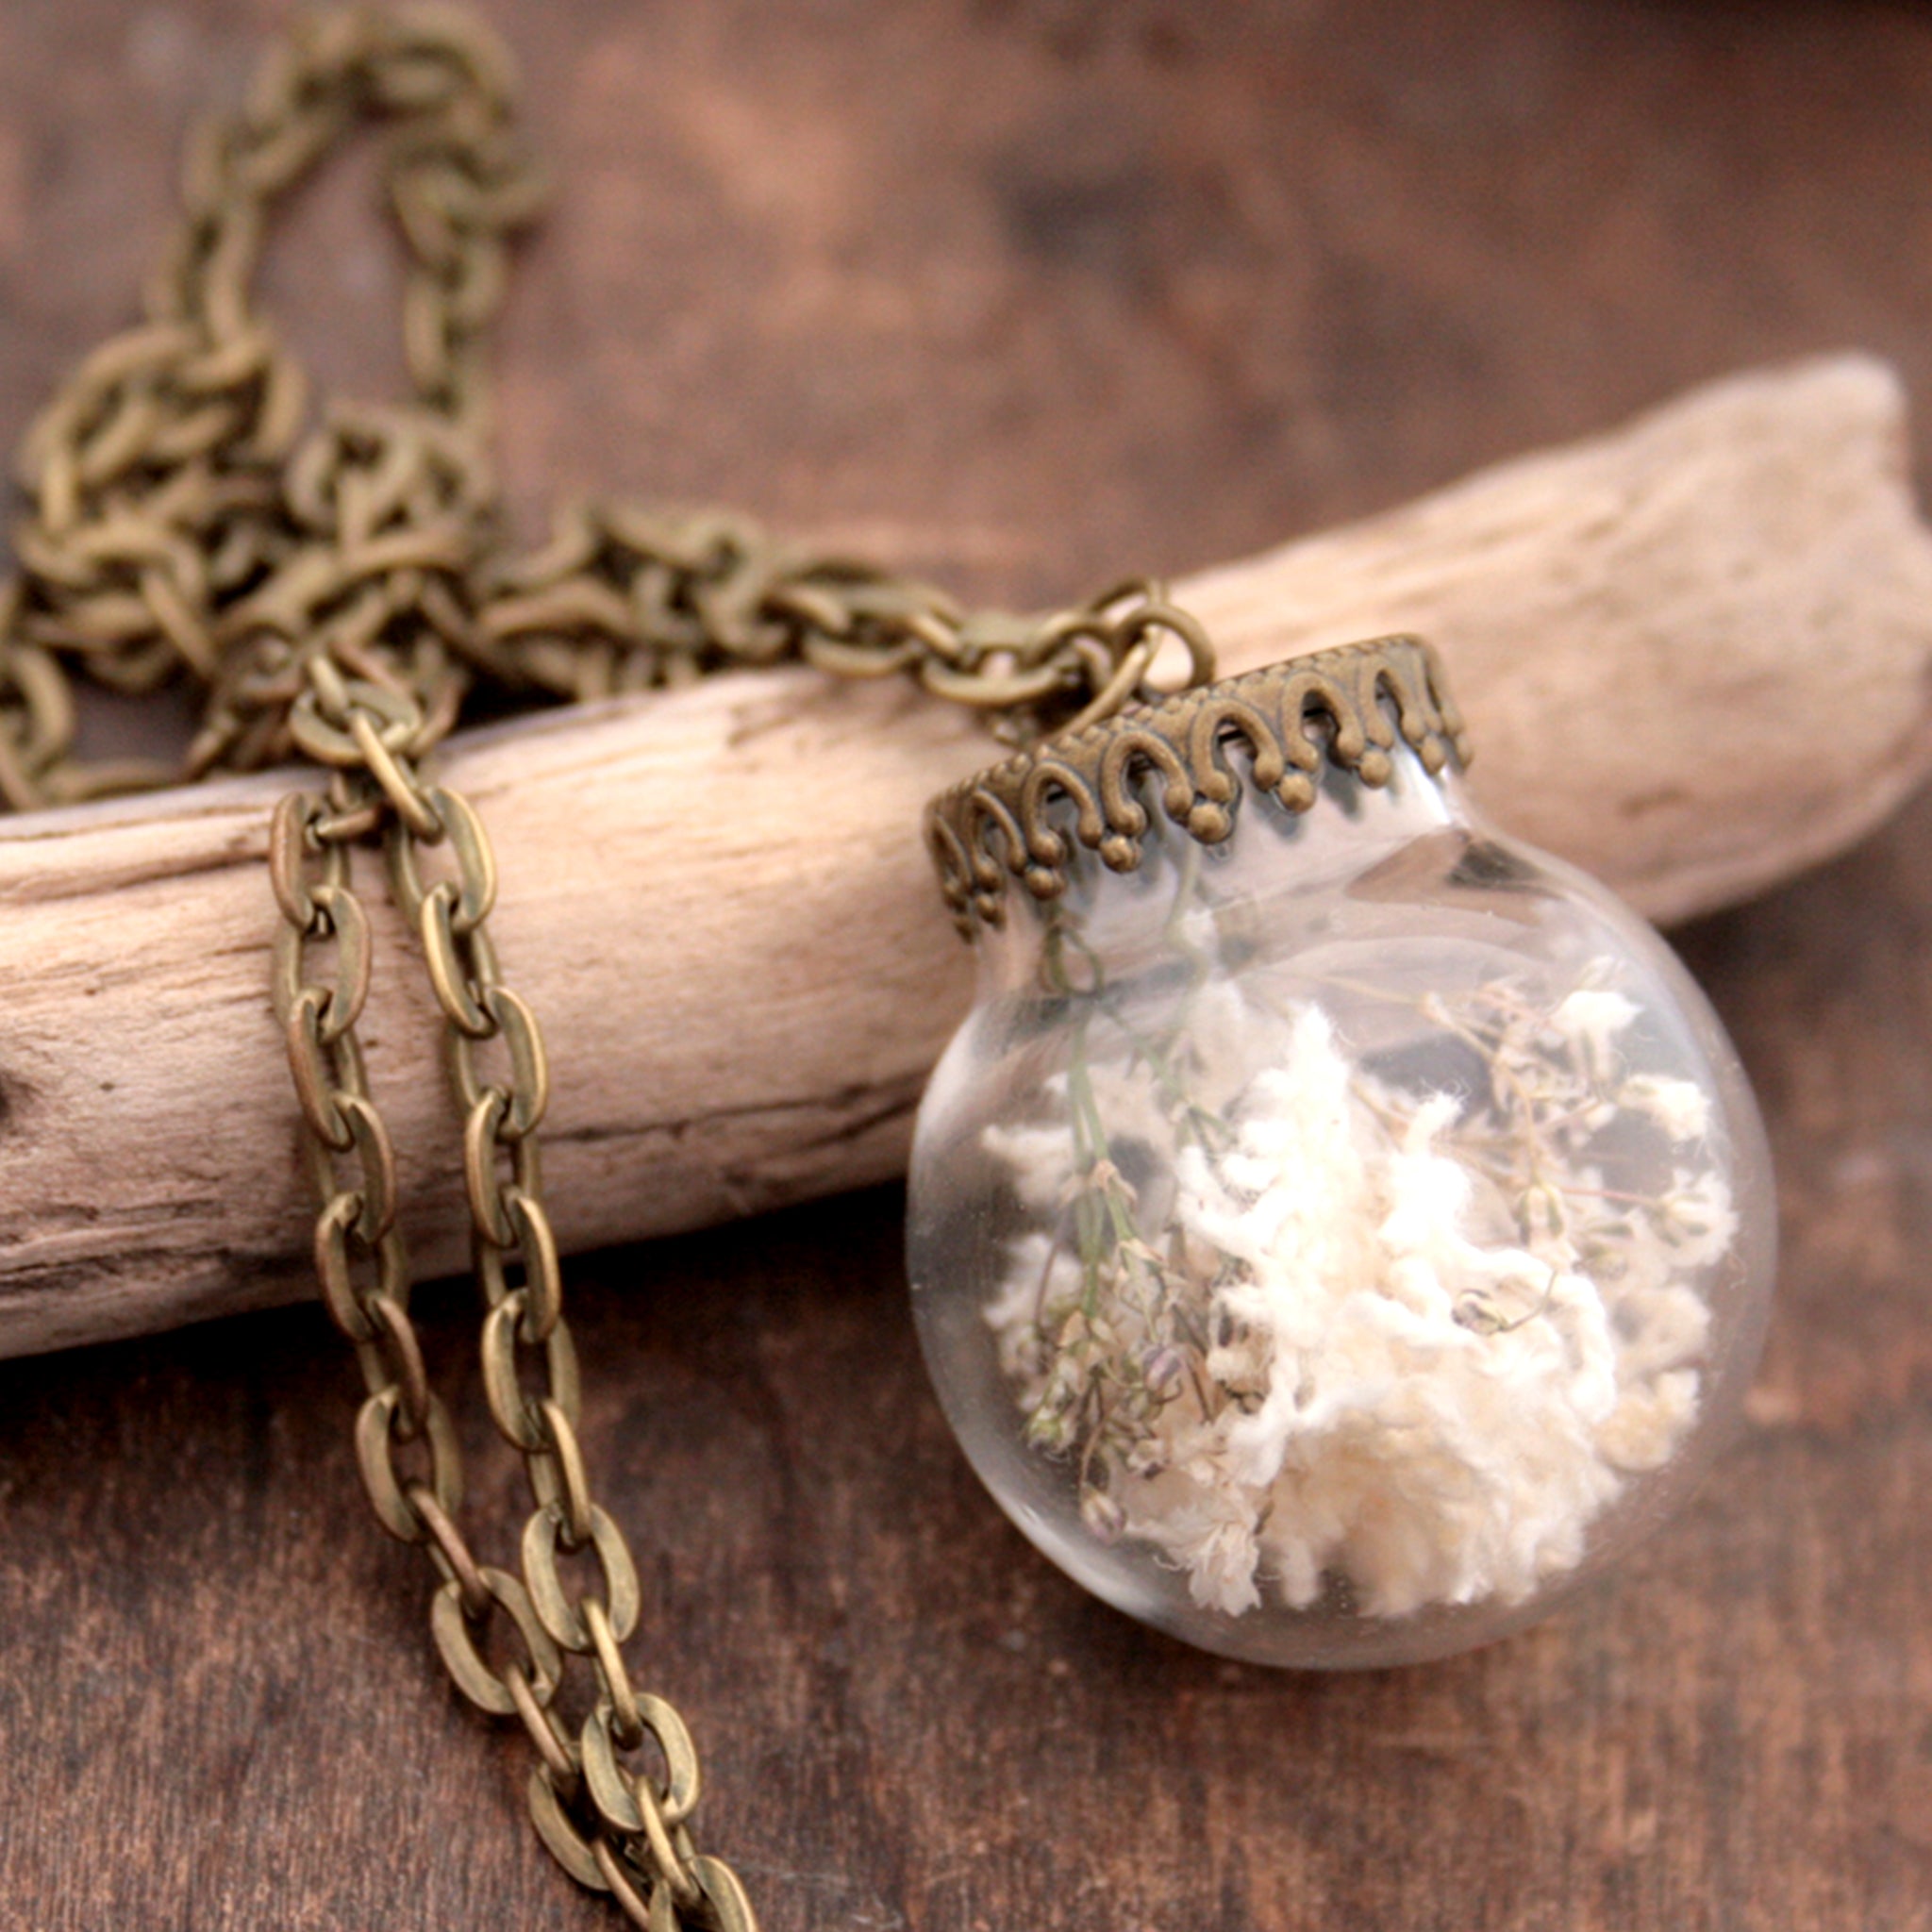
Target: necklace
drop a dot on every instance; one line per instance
(1110, 1305)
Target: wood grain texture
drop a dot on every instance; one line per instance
(718, 901)
(1018, 290)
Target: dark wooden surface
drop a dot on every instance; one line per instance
(1028, 293)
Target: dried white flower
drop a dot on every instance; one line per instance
(1040, 1160)
(1697, 1218)
(1207, 1529)
(1590, 1021)
(1408, 1339)
(1042, 1283)
(1680, 1107)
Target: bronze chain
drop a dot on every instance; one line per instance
(338, 591)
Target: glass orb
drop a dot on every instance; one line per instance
(1335, 1243)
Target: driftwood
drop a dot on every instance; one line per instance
(1693, 655)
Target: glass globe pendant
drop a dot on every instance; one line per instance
(1338, 1230)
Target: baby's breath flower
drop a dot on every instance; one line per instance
(1697, 1217)
(1589, 1022)
(1039, 1159)
(1408, 1338)
(1210, 1534)
(1680, 1107)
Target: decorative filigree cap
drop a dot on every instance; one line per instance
(1346, 706)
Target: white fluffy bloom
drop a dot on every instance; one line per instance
(1412, 1373)
(1042, 1282)
(1208, 1529)
(1590, 1021)
(1680, 1107)
(1699, 1222)
(1425, 1459)
(1040, 1160)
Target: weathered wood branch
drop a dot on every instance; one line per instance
(1694, 656)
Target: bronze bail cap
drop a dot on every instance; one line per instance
(1348, 706)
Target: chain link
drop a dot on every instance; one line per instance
(337, 591)
(188, 523)
(626, 1836)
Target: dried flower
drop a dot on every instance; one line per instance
(1210, 1534)
(1407, 1339)
(1104, 1516)
(1589, 1020)
(1680, 1107)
